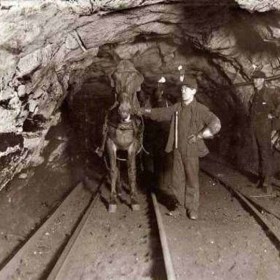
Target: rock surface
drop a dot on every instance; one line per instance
(51, 49)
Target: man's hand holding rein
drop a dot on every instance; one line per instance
(144, 111)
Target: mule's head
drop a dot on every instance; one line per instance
(125, 108)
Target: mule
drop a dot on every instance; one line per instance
(124, 132)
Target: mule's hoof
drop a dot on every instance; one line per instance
(135, 207)
(112, 208)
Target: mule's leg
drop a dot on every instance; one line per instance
(131, 162)
(112, 151)
(119, 182)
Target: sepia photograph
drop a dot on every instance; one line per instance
(139, 139)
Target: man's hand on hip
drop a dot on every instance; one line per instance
(193, 138)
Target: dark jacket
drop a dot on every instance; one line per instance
(201, 118)
(267, 102)
(264, 102)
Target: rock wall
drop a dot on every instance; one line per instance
(50, 49)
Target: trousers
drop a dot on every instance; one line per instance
(263, 142)
(185, 179)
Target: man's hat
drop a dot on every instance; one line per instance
(258, 75)
(190, 82)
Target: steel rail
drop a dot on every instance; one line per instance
(164, 244)
(7, 270)
(252, 199)
(250, 205)
(264, 208)
(56, 272)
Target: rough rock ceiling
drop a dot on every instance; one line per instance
(92, 6)
(52, 48)
(259, 5)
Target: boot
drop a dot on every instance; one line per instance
(193, 214)
(267, 187)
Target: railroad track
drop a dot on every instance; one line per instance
(57, 271)
(168, 263)
(57, 261)
(254, 206)
(27, 262)
(268, 221)
(32, 259)
(260, 212)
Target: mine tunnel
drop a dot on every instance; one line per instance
(57, 61)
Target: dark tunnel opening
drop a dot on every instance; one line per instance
(86, 109)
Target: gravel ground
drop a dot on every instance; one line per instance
(123, 245)
(225, 243)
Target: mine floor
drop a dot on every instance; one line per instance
(227, 242)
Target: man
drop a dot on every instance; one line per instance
(191, 122)
(262, 111)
